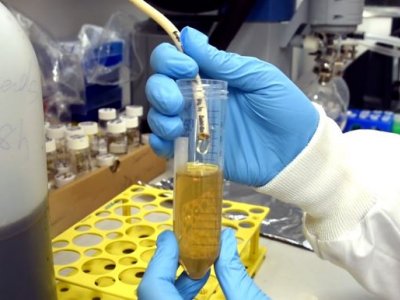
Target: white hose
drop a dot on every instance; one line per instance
(203, 133)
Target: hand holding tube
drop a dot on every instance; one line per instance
(269, 120)
(159, 280)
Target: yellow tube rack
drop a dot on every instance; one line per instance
(104, 256)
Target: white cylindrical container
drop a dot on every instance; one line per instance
(24, 226)
(116, 137)
(79, 153)
(132, 131)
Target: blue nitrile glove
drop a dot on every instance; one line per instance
(269, 120)
(159, 279)
(232, 275)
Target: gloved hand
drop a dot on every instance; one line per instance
(269, 120)
(159, 279)
(232, 275)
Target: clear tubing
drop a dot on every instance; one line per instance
(202, 129)
(26, 262)
(198, 185)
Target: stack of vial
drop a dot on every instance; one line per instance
(76, 149)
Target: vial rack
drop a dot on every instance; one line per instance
(104, 256)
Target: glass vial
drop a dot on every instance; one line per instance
(91, 130)
(51, 156)
(198, 181)
(105, 115)
(78, 146)
(132, 131)
(117, 142)
(57, 132)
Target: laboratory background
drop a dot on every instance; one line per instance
(77, 168)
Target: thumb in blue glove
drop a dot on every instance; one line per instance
(232, 275)
(159, 279)
(269, 120)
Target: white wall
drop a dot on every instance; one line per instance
(63, 18)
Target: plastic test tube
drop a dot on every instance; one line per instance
(198, 181)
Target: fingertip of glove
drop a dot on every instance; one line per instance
(228, 235)
(166, 236)
(167, 60)
(192, 38)
(228, 247)
(161, 147)
(166, 241)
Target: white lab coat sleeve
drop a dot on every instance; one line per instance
(349, 188)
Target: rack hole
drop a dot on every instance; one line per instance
(235, 214)
(87, 240)
(108, 224)
(121, 248)
(104, 281)
(98, 266)
(65, 257)
(143, 198)
(157, 216)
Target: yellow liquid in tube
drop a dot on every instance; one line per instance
(197, 216)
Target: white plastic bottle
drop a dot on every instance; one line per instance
(26, 263)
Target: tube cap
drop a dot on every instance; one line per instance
(56, 131)
(50, 145)
(74, 130)
(116, 126)
(107, 114)
(64, 179)
(134, 110)
(105, 160)
(89, 127)
(130, 122)
(78, 142)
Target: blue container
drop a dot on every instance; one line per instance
(369, 119)
(272, 11)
